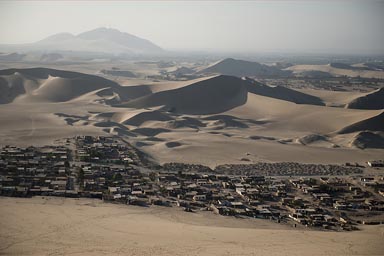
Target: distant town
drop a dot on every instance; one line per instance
(332, 197)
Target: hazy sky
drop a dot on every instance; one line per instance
(302, 26)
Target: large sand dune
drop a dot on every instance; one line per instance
(43, 84)
(217, 94)
(240, 68)
(283, 93)
(375, 123)
(214, 95)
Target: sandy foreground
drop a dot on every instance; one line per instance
(58, 226)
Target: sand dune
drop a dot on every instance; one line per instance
(57, 89)
(211, 96)
(185, 122)
(145, 116)
(11, 86)
(283, 93)
(171, 85)
(240, 68)
(53, 85)
(367, 139)
(43, 84)
(211, 120)
(375, 123)
(225, 121)
(333, 98)
(311, 138)
(373, 100)
(288, 119)
(149, 131)
(216, 95)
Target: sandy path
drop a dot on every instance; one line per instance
(57, 226)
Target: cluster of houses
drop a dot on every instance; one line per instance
(104, 150)
(289, 169)
(110, 169)
(316, 202)
(347, 198)
(60, 171)
(34, 171)
(376, 163)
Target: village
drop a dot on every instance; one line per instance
(333, 197)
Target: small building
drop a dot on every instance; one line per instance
(376, 163)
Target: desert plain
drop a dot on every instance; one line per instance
(62, 226)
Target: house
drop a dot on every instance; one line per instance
(199, 197)
(237, 205)
(378, 163)
(59, 184)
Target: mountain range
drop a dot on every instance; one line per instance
(99, 40)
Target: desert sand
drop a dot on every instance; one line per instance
(59, 226)
(212, 120)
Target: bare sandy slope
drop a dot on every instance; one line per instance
(57, 226)
(337, 71)
(334, 98)
(210, 140)
(213, 121)
(215, 149)
(263, 129)
(36, 124)
(372, 100)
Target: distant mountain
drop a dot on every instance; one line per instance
(57, 37)
(240, 68)
(51, 57)
(11, 56)
(100, 40)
